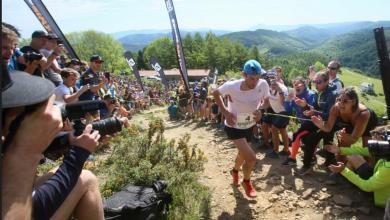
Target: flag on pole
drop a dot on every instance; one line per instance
(177, 43)
(134, 67)
(47, 21)
(156, 66)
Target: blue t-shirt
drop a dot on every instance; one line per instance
(12, 65)
(172, 111)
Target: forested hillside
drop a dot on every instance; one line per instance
(272, 42)
(356, 50)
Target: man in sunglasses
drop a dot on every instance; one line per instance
(91, 78)
(324, 100)
(334, 82)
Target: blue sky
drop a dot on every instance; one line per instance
(120, 15)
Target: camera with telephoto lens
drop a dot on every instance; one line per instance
(60, 144)
(32, 56)
(269, 76)
(75, 112)
(380, 148)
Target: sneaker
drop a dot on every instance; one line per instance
(236, 178)
(330, 161)
(284, 153)
(289, 162)
(272, 154)
(249, 189)
(304, 171)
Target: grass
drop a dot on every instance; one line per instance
(375, 102)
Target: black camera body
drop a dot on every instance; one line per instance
(269, 76)
(32, 56)
(75, 112)
(380, 148)
(60, 144)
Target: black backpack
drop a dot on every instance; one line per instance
(138, 202)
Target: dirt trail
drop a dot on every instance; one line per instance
(281, 195)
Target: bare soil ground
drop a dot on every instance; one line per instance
(281, 195)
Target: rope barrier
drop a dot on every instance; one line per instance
(287, 116)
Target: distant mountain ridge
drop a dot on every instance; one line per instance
(334, 28)
(351, 42)
(135, 40)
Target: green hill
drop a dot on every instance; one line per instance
(273, 42)
(356, 50)
(310, 35)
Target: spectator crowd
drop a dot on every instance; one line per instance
(38, 81)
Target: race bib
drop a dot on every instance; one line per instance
(245, 120)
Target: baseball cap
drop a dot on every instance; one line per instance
(96, 58)
(252, 67)
(52, 36)
(75, 61)
(38, 34)
(19, 88)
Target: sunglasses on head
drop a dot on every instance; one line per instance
(340, 100)
(317, 81)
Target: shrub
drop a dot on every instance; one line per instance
(142, 158)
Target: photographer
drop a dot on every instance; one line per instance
(64, 92)
(31, 122)
(35, 61)
(52, 72)
(360, 173)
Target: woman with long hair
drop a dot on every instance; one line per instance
(352, 118)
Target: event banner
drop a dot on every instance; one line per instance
(47, 21)
(134, 68)
(156, 66)
(177, 42)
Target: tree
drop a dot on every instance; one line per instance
(211, 44)
(164, 51)
(254, 53)
(88, 43)
(141, 62)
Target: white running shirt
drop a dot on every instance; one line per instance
(274, 99)
(244, 103)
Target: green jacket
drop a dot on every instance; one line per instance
(379, 182)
